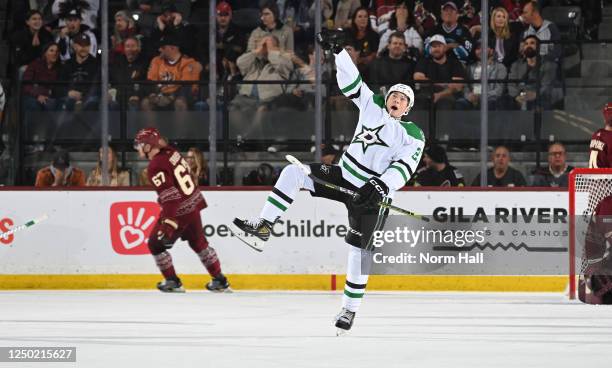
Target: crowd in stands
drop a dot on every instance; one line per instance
(435, 170)
(433, 45)
(433, 42)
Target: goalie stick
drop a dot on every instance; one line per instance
(297, 162)
(28, 224)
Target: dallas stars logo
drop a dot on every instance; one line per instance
(369, 137)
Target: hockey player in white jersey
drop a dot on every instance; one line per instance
(383, 155)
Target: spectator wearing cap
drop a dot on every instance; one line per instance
(28, 43)
(442, 70)
(458, 37)
(72, 29)
(171, 23)
(38, 96)
(394, 65)
(556, 174)
(501, 174)
(231, 43)
(271, 25)
(365, 37)
(495, 71)
(437, 172)
(131, 66)
(60, 173)
(172, 65)
(80, 71)
(125, 27)
(87, 10)
(402, 20)
(543, 29)
(535, 71)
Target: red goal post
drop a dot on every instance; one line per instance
(587, 187)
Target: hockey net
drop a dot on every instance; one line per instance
(587, 188)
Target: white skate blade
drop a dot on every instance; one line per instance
(249, 240)
(224, 291)
(341, 332)
(178, 290)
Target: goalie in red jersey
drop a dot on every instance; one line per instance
(181, 203)
(601, 142)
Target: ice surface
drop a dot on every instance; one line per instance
(147, 329)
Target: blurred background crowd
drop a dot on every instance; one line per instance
(548, 69)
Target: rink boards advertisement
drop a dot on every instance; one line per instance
(90, 232)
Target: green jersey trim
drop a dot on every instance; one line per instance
(352, 85)
(353, 295)
(401, 172)
(277, 203)
(353, 171)
(414, 131)
(379, 100)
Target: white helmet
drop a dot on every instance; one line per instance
(406, 90)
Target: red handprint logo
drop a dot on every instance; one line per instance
(130, 225)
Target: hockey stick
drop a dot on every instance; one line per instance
(297, 162)
(24, 226)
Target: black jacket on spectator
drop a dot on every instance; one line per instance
(366, 45)
(442, 73)
(21, 42)
(449, 177)
(513, 178)
(459, 35)
(385, 71)
(544, 178)
(77, 74)
(230, 45)
(124, 71)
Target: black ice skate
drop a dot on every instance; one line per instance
(171, 286)
(253, 234)
(344, 321)
(219, 284)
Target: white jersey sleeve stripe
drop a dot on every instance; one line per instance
(401, 171)
(350, 82)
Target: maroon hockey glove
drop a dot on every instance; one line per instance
(167, 230)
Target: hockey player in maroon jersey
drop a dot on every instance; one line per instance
(596, 285)
(181, 203)
(601, 142)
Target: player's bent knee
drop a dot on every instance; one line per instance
(156, 246)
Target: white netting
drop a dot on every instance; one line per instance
(590, 189)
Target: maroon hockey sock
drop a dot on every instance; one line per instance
(165, 265)
(209, 259)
